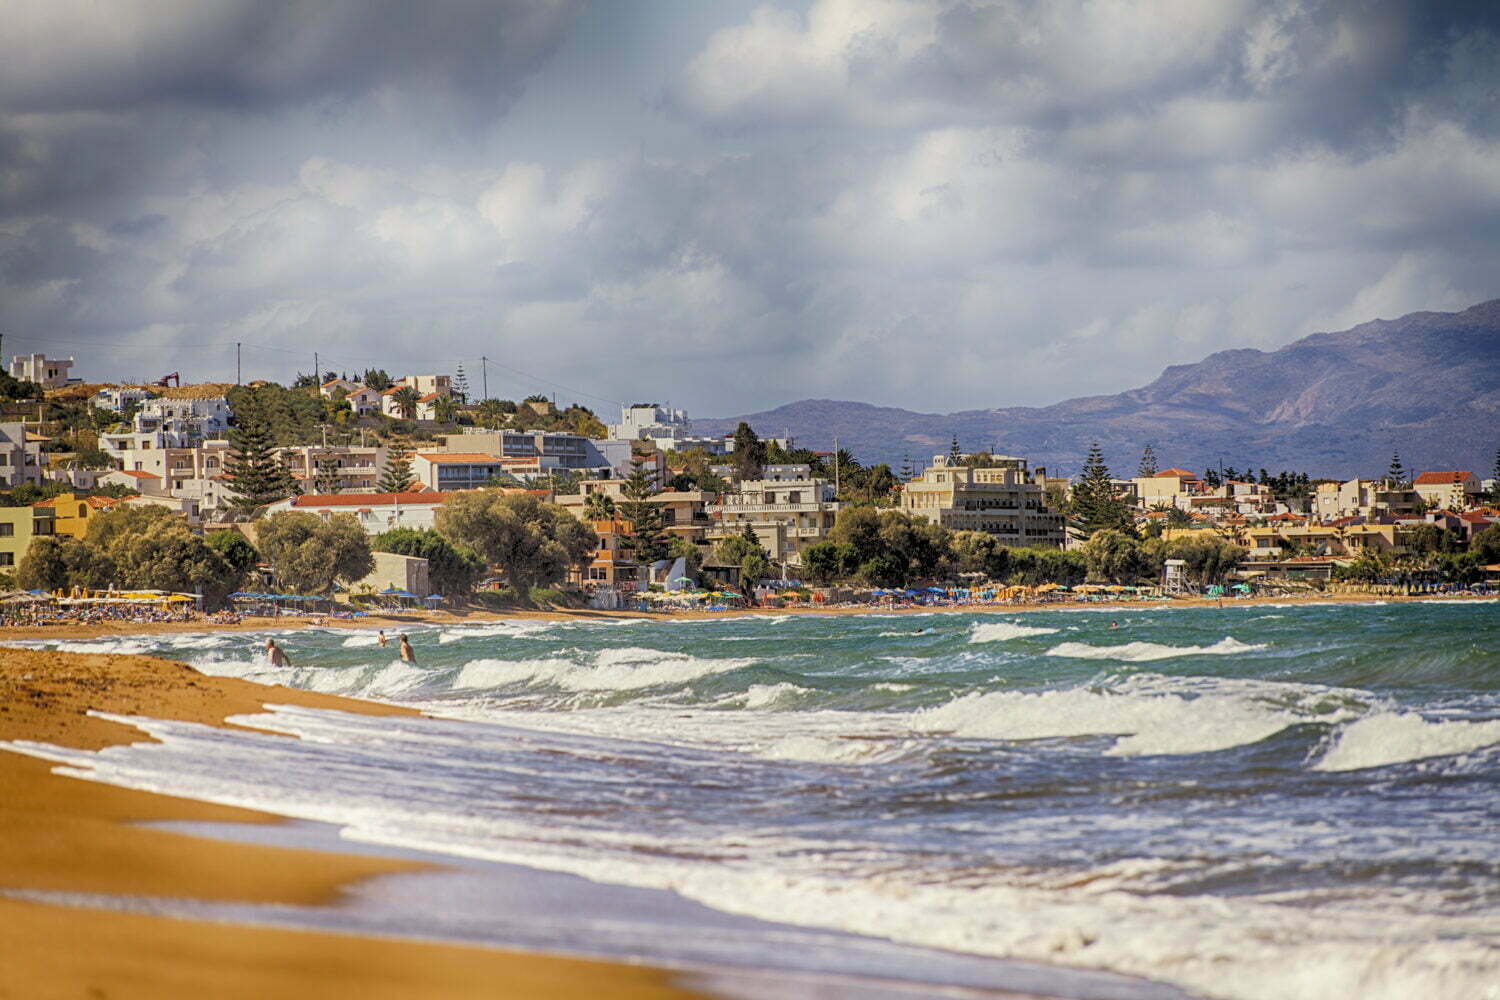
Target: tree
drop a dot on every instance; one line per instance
(749, 455)
(647, 539)
(1486, 545)
(1096, 501)
(1494, 496)
(1208, 559)
(533, 543)
(377, 379)
(598, 506)
(461, 385)
(1148, 463)
(54, 563)
(452, 570)
(955, 456)
(1114, 556)
(1395, 476)
(445, 409)
(235, 549)
(308, 554)
(690, 554)
(879, 481)
(827, 561)
(395, 476)
(326, 474)
(405, 400)
(744, 550)
(255, 473)
(979, 552)
(145, 547)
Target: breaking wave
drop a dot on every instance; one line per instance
(1398, 737)
(1144, 652)
(1005, 631)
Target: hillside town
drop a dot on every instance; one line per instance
(430, 495)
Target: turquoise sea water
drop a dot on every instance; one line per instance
(1258, 801)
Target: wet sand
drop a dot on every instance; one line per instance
(69, 835)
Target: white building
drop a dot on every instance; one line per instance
(50, 373)
(669, 430)
(20, 455)
(168, 423)
(119, 397)
(375, 512)
(787, 514)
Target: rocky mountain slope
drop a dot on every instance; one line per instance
(1336, 404)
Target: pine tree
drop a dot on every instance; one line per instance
(1148, 463)
(461, 385)
(647, 540)
(1096, 500)
(909, 471)
(749, 455)
(1395, 476)
(326, 479)
(954, 455)
(257, 475)
(396, 476)
(1495, 488)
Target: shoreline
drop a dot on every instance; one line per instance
(436, 619)
(74, 836)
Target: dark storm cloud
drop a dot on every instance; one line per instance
(940, 204)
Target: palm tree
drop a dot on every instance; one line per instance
(445, 409)
(599, 506)
(405, 400)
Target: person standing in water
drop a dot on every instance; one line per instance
(407, 656)
(275, 655)
(381, 639)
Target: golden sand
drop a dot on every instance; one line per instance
(64, 834)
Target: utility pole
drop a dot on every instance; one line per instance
(236, 362)
(484, 373)
(835, 467)
(317, 372)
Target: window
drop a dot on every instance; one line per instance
(7, 558)
(83, 510)
(7, 530)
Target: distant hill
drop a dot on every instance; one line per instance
(1336, 404)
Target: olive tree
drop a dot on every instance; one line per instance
(531, 542)
(308, 554)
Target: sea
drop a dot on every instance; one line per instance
(1256, 802)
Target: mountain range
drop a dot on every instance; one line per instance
(1426, 385)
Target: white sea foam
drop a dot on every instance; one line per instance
(1144, 652)
(833, 750)
(1397, 737)
(766, 695)
(1005, 631)
(361, 640)
(1157, 723)
(509, 630)
(133, 646)
(613, 670)
(355, 773)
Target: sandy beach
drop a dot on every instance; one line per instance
(65, 834)
(396, 621)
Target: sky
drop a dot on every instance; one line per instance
(942, 205)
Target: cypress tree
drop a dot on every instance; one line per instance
(749, 455)
(257, 475)
(396, 477)
(1148, 463)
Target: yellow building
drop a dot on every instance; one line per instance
(1004, 500)
(71, 513)
(18, 526)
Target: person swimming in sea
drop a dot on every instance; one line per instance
(275, 655)
(922, 631)
(407, 656)
(1114, 624)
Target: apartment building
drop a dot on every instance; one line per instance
(168, 422)
(449, 471)
(787, 515)
(20, 455)
(1454, 489)
(72, 514)
(666, 429)
(350, 468)
(1005, 500)
(1366, 498)
(613, 565)
(375, 512)
(549, 449)
(684, 512)
(18, 526)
